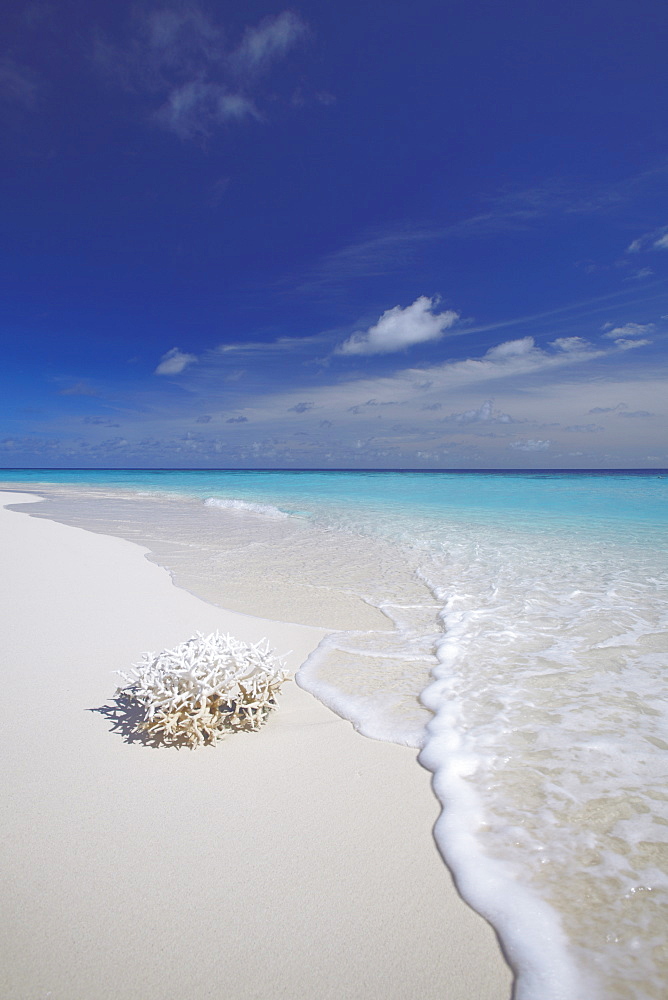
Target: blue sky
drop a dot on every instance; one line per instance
(414, 235)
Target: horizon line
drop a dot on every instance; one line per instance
(129, 468)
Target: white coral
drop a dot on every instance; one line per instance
(204, 688)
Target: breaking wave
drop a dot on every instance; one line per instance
(245, 506)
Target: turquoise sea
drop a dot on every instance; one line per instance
(510, 625)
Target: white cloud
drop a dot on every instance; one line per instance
(627, 345)
(530, 444)
(628, 330)
(509, 364)
(174, 361)
(195, 107)
(656, 239)
(399, 328)
(484, 414)
(511, 349)
(273, 37)
(570, 344)
(181, 39)
(270, 346)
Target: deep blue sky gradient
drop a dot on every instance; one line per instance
(507, 163)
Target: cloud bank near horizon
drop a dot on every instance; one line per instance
(516, 403)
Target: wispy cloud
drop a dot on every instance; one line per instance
(583, 428)
(270, 40)
(100, 421)
(530, 444)
(641, 274)
(400, 328)
(178, 58)
(302, 407)
(628, 330)
(484, 414)
(174, 362)
(628, 345)
(655, 239)
(609, 409)
(571, 344)
(385, 251)
(197, 106)
(79, 389)
(18, 84)
(280, 345)
(509, 364)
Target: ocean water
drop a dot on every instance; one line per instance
(512, 626)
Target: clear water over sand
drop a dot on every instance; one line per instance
(514, 626)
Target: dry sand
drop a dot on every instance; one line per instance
(296, 862)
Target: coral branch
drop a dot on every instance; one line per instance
(204, 688)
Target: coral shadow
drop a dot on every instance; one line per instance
(125, 715)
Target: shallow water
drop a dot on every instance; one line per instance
(512, 625)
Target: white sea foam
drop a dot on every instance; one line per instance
(547, 742)
(246, 506)
(530, 929)
(547, 749)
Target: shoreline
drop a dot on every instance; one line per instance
(294, 862)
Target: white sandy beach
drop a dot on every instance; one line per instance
(296, 862)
